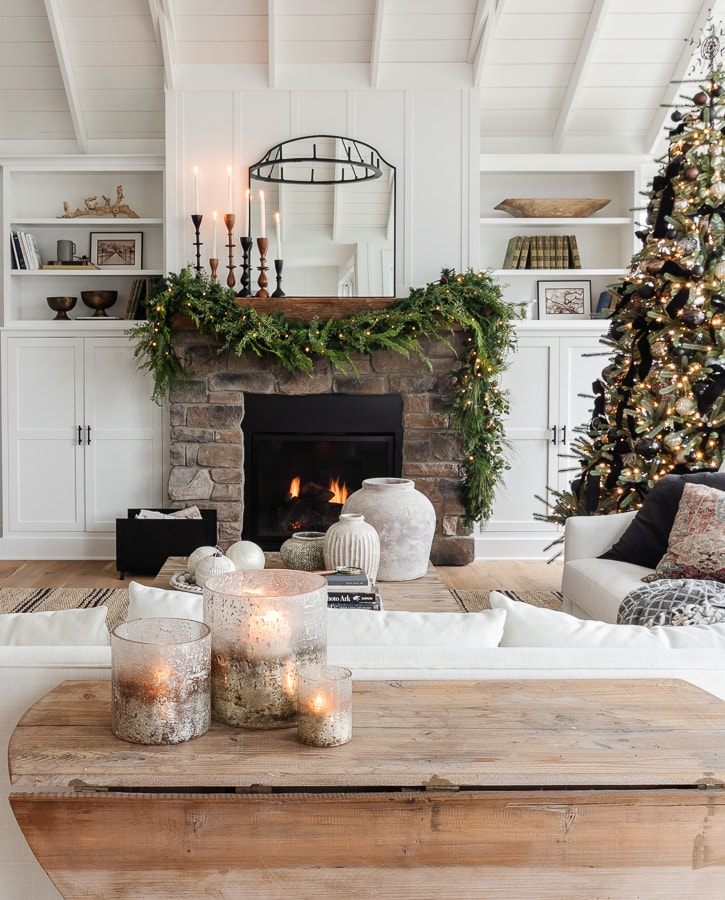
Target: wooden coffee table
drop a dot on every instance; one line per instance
(545, 789)
(426, 594)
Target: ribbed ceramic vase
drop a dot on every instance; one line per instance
(405, 521)
(351, 541)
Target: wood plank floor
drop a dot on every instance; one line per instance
(515, 575)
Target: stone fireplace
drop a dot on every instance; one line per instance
(207, 446)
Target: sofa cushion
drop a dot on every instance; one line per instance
(644, 543)
(598, 586)
(145, 602)
(530, 626)
(63, 627)
(696, 547)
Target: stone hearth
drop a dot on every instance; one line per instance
(207, 413)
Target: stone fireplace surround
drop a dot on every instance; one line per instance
(207, 418)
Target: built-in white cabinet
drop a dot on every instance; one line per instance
(549, 380)
(82, 442)
(606, 240)
(39, 196)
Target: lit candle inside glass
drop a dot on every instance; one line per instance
(324, 705)
(262, 228)
(266, 636)
(230, 186)
(196, 190)
(213, 235)
(279, 236)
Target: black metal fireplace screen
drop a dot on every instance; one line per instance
(303, 456)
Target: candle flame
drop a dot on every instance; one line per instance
(318, 704)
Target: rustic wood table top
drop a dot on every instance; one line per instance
(504, 734)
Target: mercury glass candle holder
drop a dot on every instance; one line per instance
(265, 624)
(160, 680)
(324, 706)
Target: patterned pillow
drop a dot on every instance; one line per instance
(696, 547)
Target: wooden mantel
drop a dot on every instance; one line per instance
(304, 308)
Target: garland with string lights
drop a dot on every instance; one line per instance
(470, 302)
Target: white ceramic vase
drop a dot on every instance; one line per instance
(405, 521)
(351, 541)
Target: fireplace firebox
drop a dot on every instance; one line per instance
(304, 455)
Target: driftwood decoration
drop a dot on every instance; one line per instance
(91, 207)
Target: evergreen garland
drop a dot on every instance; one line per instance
(471, 302)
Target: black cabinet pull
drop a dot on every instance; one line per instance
(89, 434)
(563, 434)
(80, 435)
(553, 434)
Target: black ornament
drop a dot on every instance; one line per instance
(646, 290)
(679, 351)
(598, 445)
(676, 116)
(715, 90)
(697, 270)
(670, 230)
(718, 301)
(693, 317)
(699, 388)
(647, 448)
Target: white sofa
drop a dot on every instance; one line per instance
(514, 641)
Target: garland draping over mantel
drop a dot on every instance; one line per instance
(471, 302)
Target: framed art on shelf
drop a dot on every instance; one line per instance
(564, 299)
(122, 249)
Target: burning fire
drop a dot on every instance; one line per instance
(338, 488)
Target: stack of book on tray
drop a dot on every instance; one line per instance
(352, 590)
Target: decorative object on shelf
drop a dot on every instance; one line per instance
(324, 706)
(564, 299)
(304, 550)
(160, 680)
(196, 556)
(197, 218)
(65, 251)
(91, 207)
(278, 265)
(551, 208)
(351, 541)
(264, 625)
(262, 245)
(117, 250)
(542, 251)
(405, 521)
(470, 302)
(246, 243)
(99, 300)
(229, 220)
(246, 555)
(183, 581)
(210, 566)
(61, 306)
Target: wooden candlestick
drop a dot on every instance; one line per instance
(213, 265)
(262, 244)
(229, 219)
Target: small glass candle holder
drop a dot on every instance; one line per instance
(160, 680)
(265, 623)
(324, 706)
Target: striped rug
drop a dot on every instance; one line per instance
(46, 599)
(475, 601)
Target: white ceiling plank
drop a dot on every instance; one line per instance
(67, 73)
(377, 42)
(594, 25)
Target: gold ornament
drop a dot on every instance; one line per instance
(685, 406)
(659, 349)
(719, 269)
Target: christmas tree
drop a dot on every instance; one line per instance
(659, 404)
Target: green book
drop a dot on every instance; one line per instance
(508, 261)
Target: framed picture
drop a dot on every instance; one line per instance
(564, 299)
(119, 248)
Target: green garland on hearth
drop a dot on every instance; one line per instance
(471, 302)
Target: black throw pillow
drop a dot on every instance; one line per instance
(644, 543)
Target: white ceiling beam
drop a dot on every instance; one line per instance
(484, 26)
(272, 43)
(162, 16)
(563, 121)
(377, 43)
(655, 134)
(66, 71)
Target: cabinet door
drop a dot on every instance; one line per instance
(122, 434)
(532, 383)
(45, 411)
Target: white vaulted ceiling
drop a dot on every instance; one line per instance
(554, 75)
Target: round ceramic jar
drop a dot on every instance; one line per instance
(304, 551)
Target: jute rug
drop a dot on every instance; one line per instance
(47, 599)
(475, 601)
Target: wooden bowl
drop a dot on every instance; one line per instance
(61, 305)
(551, 208)
(99, 300)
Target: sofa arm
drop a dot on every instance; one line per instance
(589, 536)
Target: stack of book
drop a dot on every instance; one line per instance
(25, 252)
(352, 591)
(542, 251)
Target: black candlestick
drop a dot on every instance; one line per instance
(246, 243)
(278, 263)
(196, 219)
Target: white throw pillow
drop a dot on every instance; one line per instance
(368, 628)
(530, 626)
(145, 602)
(63, 627)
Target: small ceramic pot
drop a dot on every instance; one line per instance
(304, 551)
